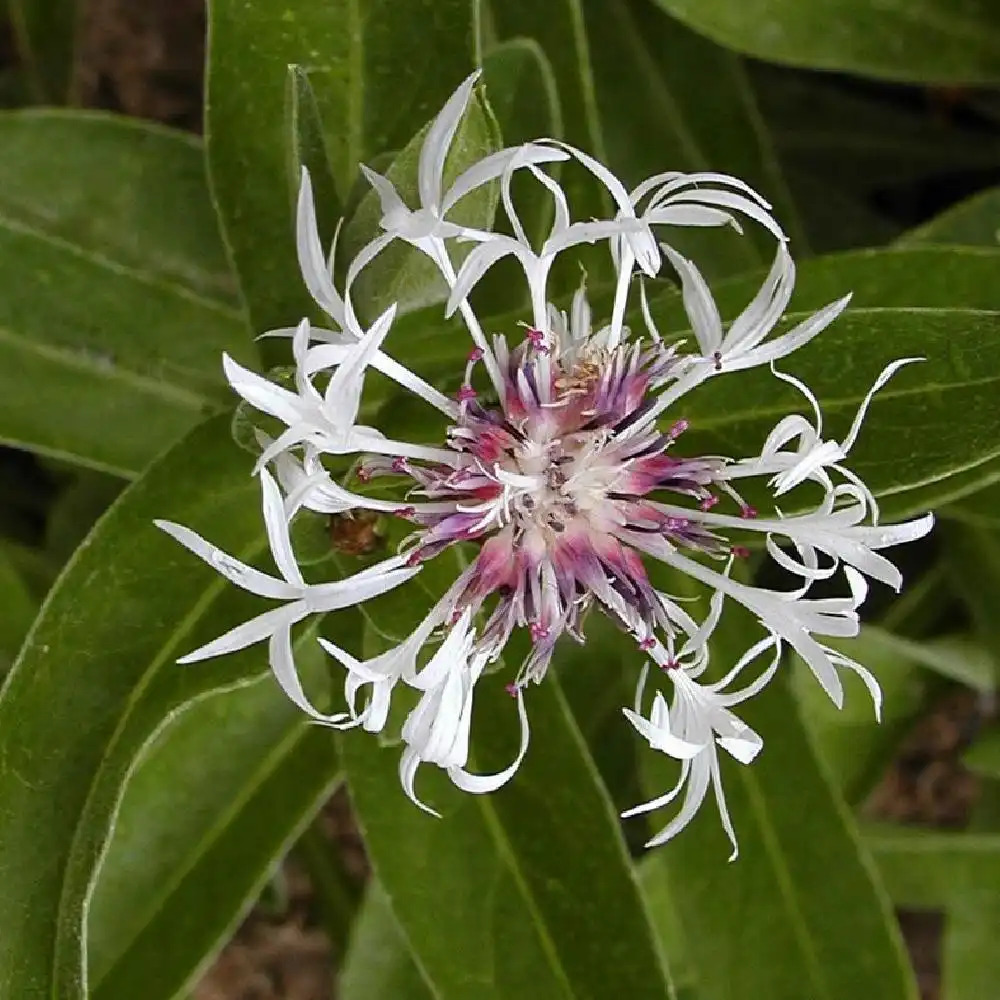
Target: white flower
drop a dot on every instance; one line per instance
(556, 487)
(302, 599)
(698, 721)
(563, 235)
(384, 671)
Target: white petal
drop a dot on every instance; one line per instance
(392, 204)
(333, 353)
(261, 393)
(720, 800)
(884, 377)
(343, 393)
(408, 764)
(312, 261)
(726, 199)
(231, 568)
(479, 261)
(697, 788)
(479, 784)
(253, 631)
(283, 668)
(451, 655)
(689, 215)
(761, 314)
(437, 142)
(741, 742)
(356, 589)
(277, 531)
(493, 166)
(661, 800)
(789, 342)
(699, 305)
(662, 739)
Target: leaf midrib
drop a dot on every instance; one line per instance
(268, 766)
(81, 360)
(149, 278)
(786, 886)
(184, 626)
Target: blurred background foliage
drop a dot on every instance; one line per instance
(150, 814)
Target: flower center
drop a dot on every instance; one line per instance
(549, 484)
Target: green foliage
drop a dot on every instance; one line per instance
(45, 34)
(715, 125)
(116, 306)
(95, 683)
(144, 805)
(810, 934)
(400, 274)
(942, 41)
(379, 964)
(19, 609)
(199, 831)
(893, 454)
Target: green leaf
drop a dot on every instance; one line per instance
(402, 274)
(905, 278)
(667, 923)
(970, 223)
(306, 145)
(377, 71)
(45, 33)
(114, 304)
(94, 684)
(866, 139)
(943, 41)
(697, 112)
(820, 925)
(199, 832)
(972, 561)
(923, 868)
(509, 895)
(835, 217)
(970, 960)
(974, 222)
(379, 965)
(19, 610)
(112, 186)
(983, 756)
(75, 510)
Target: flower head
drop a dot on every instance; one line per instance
(562, 464)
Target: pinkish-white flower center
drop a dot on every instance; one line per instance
(549, 485)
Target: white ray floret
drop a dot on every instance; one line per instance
(301, 599)
(698, 721)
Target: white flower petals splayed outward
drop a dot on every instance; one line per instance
(561, 462)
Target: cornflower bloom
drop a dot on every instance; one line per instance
(563, 465)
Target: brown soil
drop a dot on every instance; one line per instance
(143, 59)
(928, 786)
